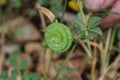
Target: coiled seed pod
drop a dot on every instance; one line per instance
(58, 37)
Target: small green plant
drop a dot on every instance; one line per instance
(59, 39)
(13, 60)
(89, 30)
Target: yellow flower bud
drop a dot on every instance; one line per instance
(73, 5)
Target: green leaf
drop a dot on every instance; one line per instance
(81, 34)
(23, 64)
(16, 3)
(69, 69)
(14, 74)
(13, 60)
(118, 34)
(43, 2)
(4, 75)
(89, 37)
(26, 75)
(79, 17)
(79, 23)
(35, 76)
(32, 13)
(96, 30)
(93, 22)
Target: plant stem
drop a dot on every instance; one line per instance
(80, 5)
(89, 47)
(45, 76)
(112, 38)
(104, 57)
(59, 2)
(66, 60)
(94, 64)
(44, 54)
(49, 66)
(64, 9)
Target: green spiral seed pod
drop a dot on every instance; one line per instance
(58, 37)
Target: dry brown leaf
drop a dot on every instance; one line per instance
(46, 12)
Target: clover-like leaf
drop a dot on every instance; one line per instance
(34, 76)
(14, 74)
(23, 64)
(79, 23)
(4, 75)
(13, 60)
(96, 30)
(94, 22)
(26, 75)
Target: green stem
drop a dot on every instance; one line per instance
(90, 50)
(80, 5)
(59, 2)
(112, 38)
(49, 66)
(45, 76)
(66, 60)
(44, 54)
(64, 9)
(105, 55)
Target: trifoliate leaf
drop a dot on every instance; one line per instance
(94, 22)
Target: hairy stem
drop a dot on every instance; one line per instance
(80, 5)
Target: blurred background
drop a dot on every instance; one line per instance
(22, 44)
